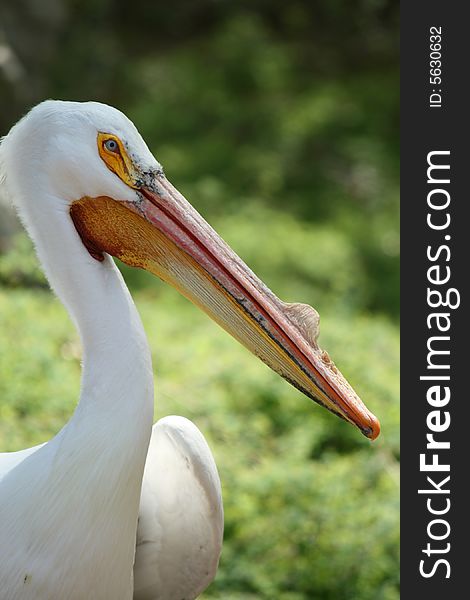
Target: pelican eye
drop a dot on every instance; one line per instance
(111, 145)
(114, 154)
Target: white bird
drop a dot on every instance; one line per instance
(79, 515)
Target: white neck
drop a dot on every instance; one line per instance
(114, 415)
(117, 375)
(93, 468)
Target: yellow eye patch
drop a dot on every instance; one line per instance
(115, 156)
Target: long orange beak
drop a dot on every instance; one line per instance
(165, 235)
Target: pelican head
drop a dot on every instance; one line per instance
(99, 173)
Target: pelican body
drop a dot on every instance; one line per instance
(111, 507)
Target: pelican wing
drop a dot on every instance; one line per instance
(180, 527)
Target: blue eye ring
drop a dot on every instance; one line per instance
(111, 146)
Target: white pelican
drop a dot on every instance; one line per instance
(87, 188)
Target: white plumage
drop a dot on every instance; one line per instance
(180, 514)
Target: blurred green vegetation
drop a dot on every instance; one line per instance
(279, 122)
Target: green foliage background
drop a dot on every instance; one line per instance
(279, 122)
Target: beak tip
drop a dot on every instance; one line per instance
(373, 430)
